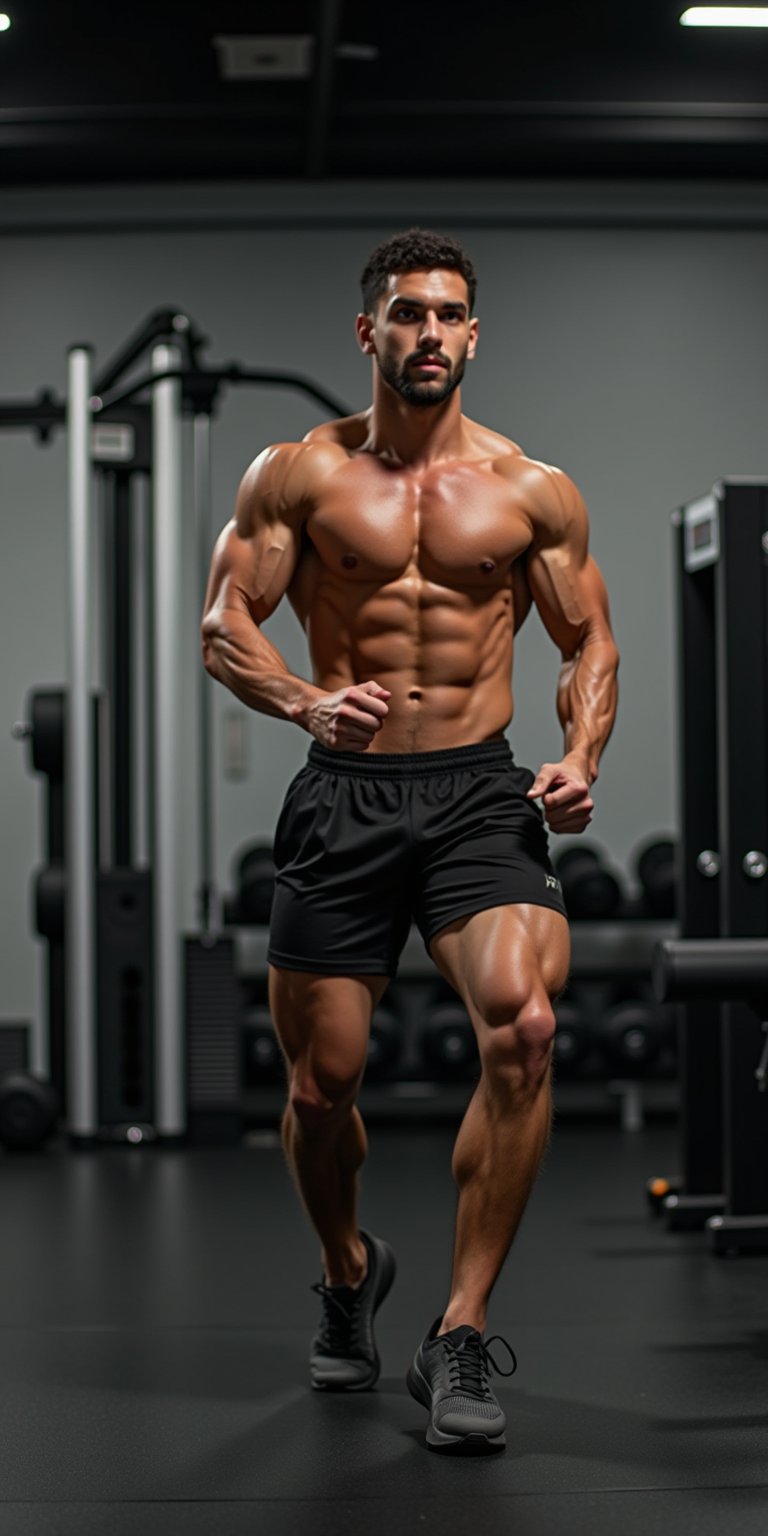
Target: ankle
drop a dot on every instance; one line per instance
(463, 1314)
(347, 1266)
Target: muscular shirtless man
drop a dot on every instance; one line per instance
(412, 542)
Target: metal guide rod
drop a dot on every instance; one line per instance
(170, 1119)
(209, 902)
(140, 641)
(82, 1110)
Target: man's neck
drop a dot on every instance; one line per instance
(416, 435)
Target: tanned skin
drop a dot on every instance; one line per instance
(411, 543)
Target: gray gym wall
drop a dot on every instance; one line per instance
(622, 336)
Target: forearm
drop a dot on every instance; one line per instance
(238, 655)
(586, 702)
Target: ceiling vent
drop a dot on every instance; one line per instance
(265, 57)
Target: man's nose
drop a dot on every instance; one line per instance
(430, 327)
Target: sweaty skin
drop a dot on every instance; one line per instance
(411, 543)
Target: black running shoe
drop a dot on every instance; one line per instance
(343, 1356)
(450, 1376)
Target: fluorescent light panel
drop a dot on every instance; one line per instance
(725, 16)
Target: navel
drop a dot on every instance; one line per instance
(488, 565)
(415, 693)
(349, 562)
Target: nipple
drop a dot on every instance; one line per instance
(488, 565)
(349, 562)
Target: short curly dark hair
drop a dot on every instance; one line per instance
(413, 251)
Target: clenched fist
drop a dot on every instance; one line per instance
(349, 719)
(565, 796)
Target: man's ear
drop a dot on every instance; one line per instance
(474, 326)
(364, 331)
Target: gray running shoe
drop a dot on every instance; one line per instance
(450, 1376)
(343, 1355)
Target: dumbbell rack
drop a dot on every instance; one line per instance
(615, 951)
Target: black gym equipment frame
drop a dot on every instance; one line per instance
(721, 544)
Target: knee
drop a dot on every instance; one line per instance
(518, 1038)
(320, 1101)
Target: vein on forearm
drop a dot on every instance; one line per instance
(587, 696)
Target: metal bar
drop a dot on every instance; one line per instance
(122, 657)
(42, 415)
(140, 641)
(168, 542)
(708, 968)
(700, 1053)
(162, 322)
(232, 373)
(80, 787)
(103, 543)
(209, 898)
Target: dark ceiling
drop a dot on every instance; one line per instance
(134, 92)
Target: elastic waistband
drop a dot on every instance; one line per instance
(410, 765)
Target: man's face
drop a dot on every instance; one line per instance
(421, 334)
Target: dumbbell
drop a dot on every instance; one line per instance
(448, 1041)
(29, 1110)
(255, 884)
(385, 1043)
(263, 1057)
(656, 869)
(632, 1034)
(574, 1036)
(590, 889)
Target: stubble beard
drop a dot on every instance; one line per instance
(420, 392)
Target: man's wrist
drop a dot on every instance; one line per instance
(301, 706)
(581, 762)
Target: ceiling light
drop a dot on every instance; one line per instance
(5, 22)
(725, 16)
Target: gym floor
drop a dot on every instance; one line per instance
(156, 1315)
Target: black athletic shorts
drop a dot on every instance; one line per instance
(366, 844)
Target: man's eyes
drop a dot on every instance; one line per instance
(451, 316)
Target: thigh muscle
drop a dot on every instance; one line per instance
(323, 1022)
(500, 957)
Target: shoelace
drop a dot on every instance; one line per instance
(338, 1327)
(470, 1363)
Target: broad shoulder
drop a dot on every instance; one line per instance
(548, 495)
(283, 480)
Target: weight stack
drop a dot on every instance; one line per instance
(125, 997)
(213, 1011)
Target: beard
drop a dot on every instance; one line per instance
(425, 391)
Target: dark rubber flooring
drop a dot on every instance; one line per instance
(155, 1314)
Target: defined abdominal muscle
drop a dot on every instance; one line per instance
(447, 668)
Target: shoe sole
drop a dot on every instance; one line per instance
(386, 1279)
(474, 1443)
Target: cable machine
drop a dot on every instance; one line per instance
(131, 1010)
